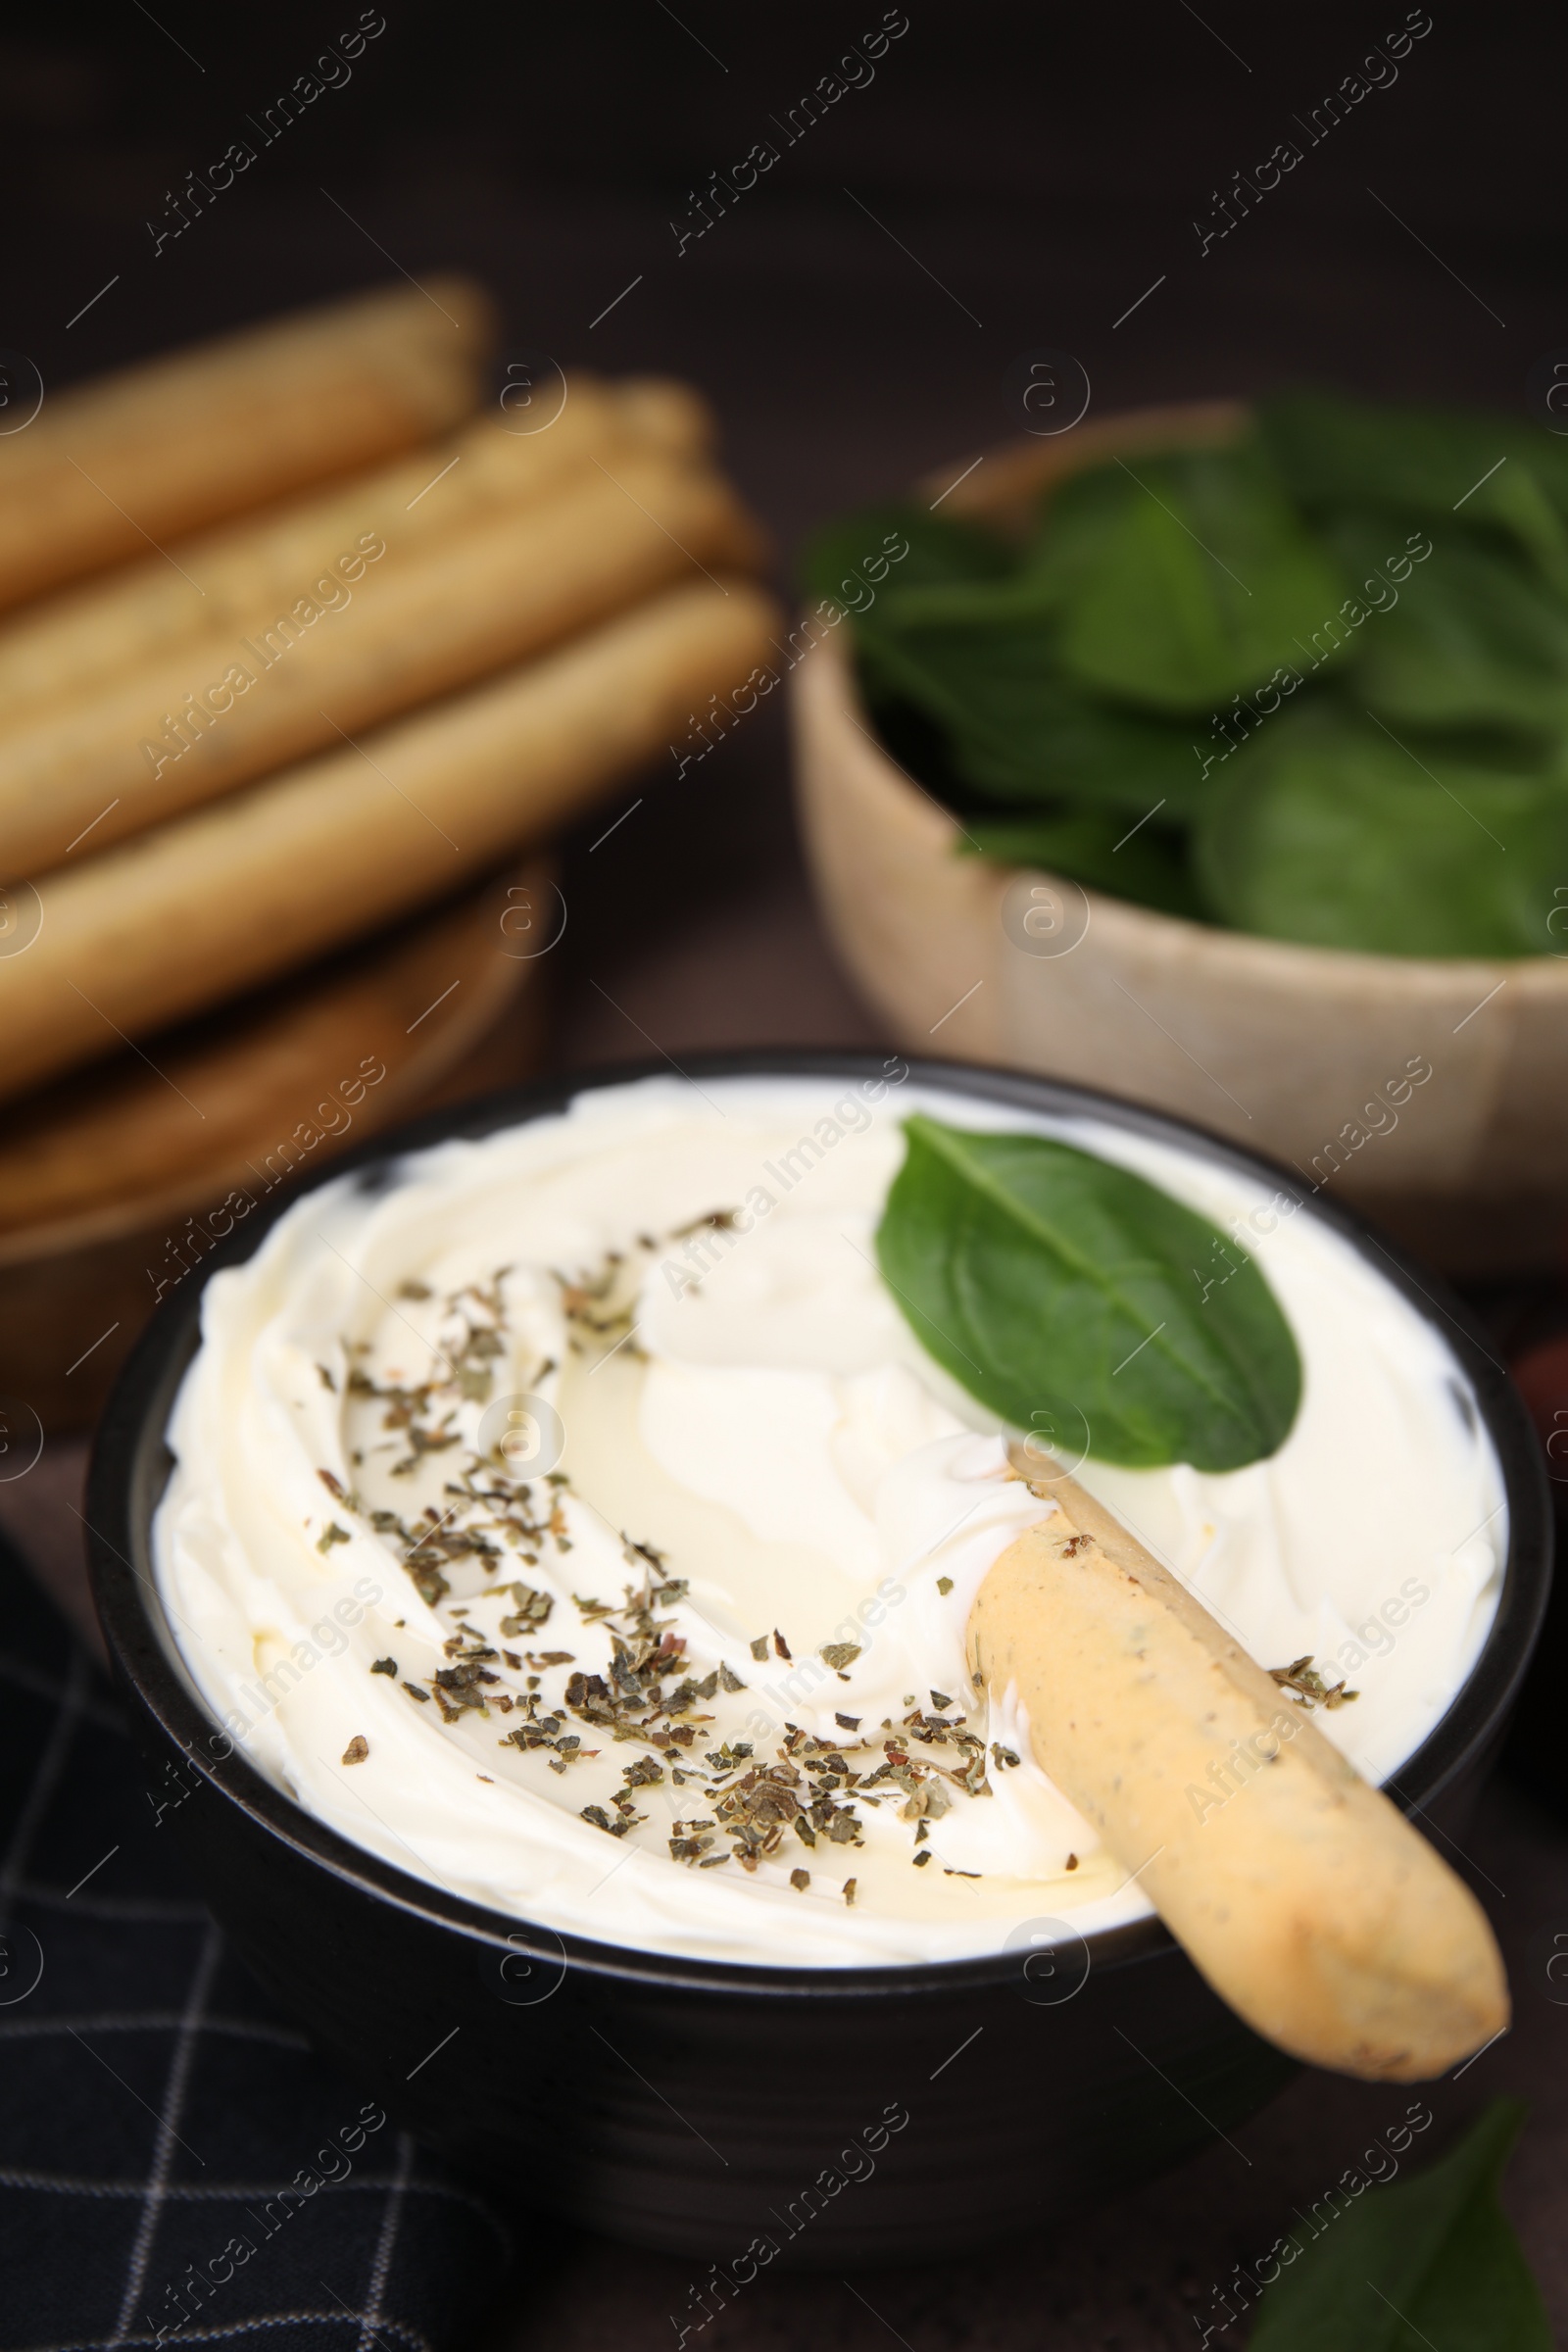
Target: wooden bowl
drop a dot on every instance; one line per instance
(115, 1181)
(1309, 1055)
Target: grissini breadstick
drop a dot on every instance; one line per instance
(221, 710)
(661, 409)
(196, 910)
(161, 449)
(1300, 1891)
(239, 575)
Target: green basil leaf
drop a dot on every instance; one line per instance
(1335, 452)
(1060, 1290)
(1073, 521)
(1431, 2260)
(1087, 846)
(970, 605)
(1202, 582)
(1472, 641)
(1017, 730)
(1326, 830)
(1460, 472)
(838, 560)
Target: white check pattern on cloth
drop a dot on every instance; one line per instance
(152, 2104)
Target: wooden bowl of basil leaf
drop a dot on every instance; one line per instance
(1219, 755)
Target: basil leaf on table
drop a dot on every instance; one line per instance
(1431, 2260)
(1325, 830)
(1052, 1285)
(1088, 846)
(1204, 582)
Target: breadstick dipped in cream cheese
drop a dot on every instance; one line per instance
(240, 576)
(220, 710)
(167, 447)
(1301, 1892)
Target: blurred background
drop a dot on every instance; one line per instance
(1031, 172)
(1009, 179)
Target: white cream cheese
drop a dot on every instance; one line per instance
(745, 1414)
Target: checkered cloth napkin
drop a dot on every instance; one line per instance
(175, 2166)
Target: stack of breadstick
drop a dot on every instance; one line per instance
(361, 642)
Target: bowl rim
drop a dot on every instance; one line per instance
(130, 1461)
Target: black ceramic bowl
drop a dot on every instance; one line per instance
(838, 2115)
